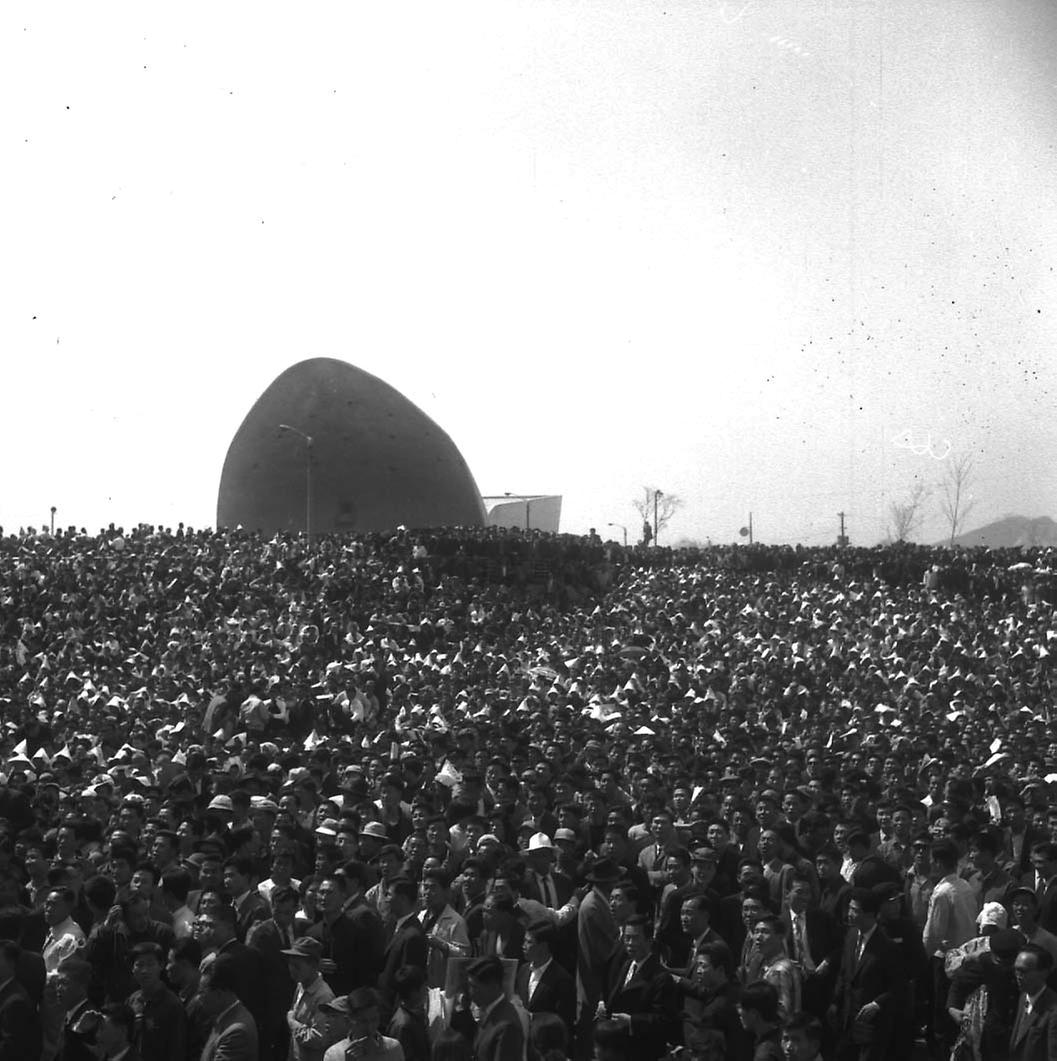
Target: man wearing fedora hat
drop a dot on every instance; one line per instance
(598, 940)
(308, 1022)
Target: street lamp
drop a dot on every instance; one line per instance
(53, 510)
(657, 495)
(308, 478)
(623, 528)
(528, 502)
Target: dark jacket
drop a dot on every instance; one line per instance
(265, 938)
(407, 947)
(650, 999)
(1035, 1037)
(253, 908)
(499, 1036)
(20, 1037)
(1002, 995)
(233, 1037)
(555, 992)
(875, 977)
(410, 1031)
(161, 1025)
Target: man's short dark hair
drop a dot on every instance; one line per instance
(1043, 958)
(225, 974)
(543, 931)
(242, 865)
(284, 893)
(486, 970)
(187, 949)
(762, 998)
(806, 1023)
(946, 854)
(119, 1013)
(868, 902)
(100, 891)
(353, 872)
(408, 980)
(404, 887)
(177, 883)
(719, 957)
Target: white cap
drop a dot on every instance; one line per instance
(540, 842)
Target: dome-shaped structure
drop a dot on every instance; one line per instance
(377, 461)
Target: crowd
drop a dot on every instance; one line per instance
(487, 795)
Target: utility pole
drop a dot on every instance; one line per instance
(750, 528)
(308, 440)
(842, 540)
(657, 494)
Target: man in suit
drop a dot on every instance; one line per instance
(598, 940)
(1044, 863)
(217, 930)
(503, 934)
(240, 883)
(814, 941)
(113, 1036)
(542, 984)
(408, 945)
(643, 997)
(352, 942)
(233, 1031)
(20, 1034)
(367, 933)
(499, 1035)
(709, 1004)
(868, 989)
(695, 922)
(270, 939)
(1035, 1030)
(72, 982)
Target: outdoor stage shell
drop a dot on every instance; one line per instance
(378, 461)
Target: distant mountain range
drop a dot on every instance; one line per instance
(1009, 532)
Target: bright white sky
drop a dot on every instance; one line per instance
(736, 250)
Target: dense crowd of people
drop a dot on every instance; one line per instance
(492, 795)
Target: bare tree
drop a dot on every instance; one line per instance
(956, 501)
(656, 509)
(906, 515)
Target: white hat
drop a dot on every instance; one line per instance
(540, 842)
(993, 914)
(221, 803)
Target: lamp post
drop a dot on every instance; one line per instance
(657, 495)
(528, 501)
(53, 510)
(623, 528)
(308, 478)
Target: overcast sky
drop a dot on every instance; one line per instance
(760, 254)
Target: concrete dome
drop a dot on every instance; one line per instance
(377, 460)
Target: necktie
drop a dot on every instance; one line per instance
(632, 969)
(1022, 1018)
(860, 946)
(801, 944)
(550, 894)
